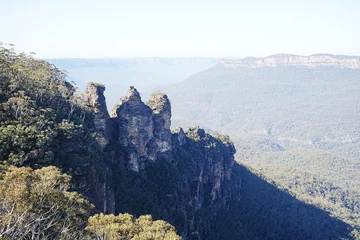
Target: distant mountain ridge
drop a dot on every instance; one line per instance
(293, 119)
(316, 60)
(279, 109)
(127, 62)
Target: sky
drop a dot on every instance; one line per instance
(180, 28)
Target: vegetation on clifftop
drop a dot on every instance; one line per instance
(43, 124)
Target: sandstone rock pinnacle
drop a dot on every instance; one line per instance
(94, 98)
(161, 108)
(136, 129)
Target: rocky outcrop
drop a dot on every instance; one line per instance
(143, 129)
(94, 98)
(136, 129)
(184, 177)
(317, 60)
(209, 184)
(189, 186)
(161, 109)
(214, 164)
(179, 135)
(100, 193)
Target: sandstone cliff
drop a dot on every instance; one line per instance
(135, 127)
(94, 98)
(102, 195)
(161, 109)
(184, 177)
(143, 129)
(317, 60)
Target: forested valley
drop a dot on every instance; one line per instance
(71, 170)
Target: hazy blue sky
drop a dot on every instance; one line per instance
(180, 28)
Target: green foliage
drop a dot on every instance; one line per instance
(154, 191)
(269, 212)
(34, 100)
(125, 226)
(311, 188)
(43, 123)
(42, 120)
(304, 118)
(225, 139)
(37, 204)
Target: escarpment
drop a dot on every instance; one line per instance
(317, 60)
(143, 129)
(184, 177)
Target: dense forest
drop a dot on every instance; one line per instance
(293, 125)
(60, 179)
(47, 153)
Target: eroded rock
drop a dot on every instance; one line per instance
(190, 171)
(136, 129)
(94, 98)
(161, 108)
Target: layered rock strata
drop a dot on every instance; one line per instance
(317, 60)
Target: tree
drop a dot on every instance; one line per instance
(37, 204)
(125, 226)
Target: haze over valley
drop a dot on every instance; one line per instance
(291, 117)
(118, 74)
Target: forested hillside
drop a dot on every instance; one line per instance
(51, 163)
(71, 170)
(64, 159)
(295, 122)
(288, 115)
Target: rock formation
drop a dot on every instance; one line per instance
(94, 98)
(136, 129)
(161, 108)
(180, 135)
(143, 129)
(99, 192)
(215, 165)
(184, 177)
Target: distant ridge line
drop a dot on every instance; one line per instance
(316, 60)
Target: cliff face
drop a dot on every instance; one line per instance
(135, 129)
(94, 98)
(161, 109)
(143, 129)
(102, 195)
(208, 184)
(213, 155)
(184, 177)
(318, 60)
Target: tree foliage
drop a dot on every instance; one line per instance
(37, 204)
(44, 124)
(42, 121)
(125, 226)
(34, 101)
